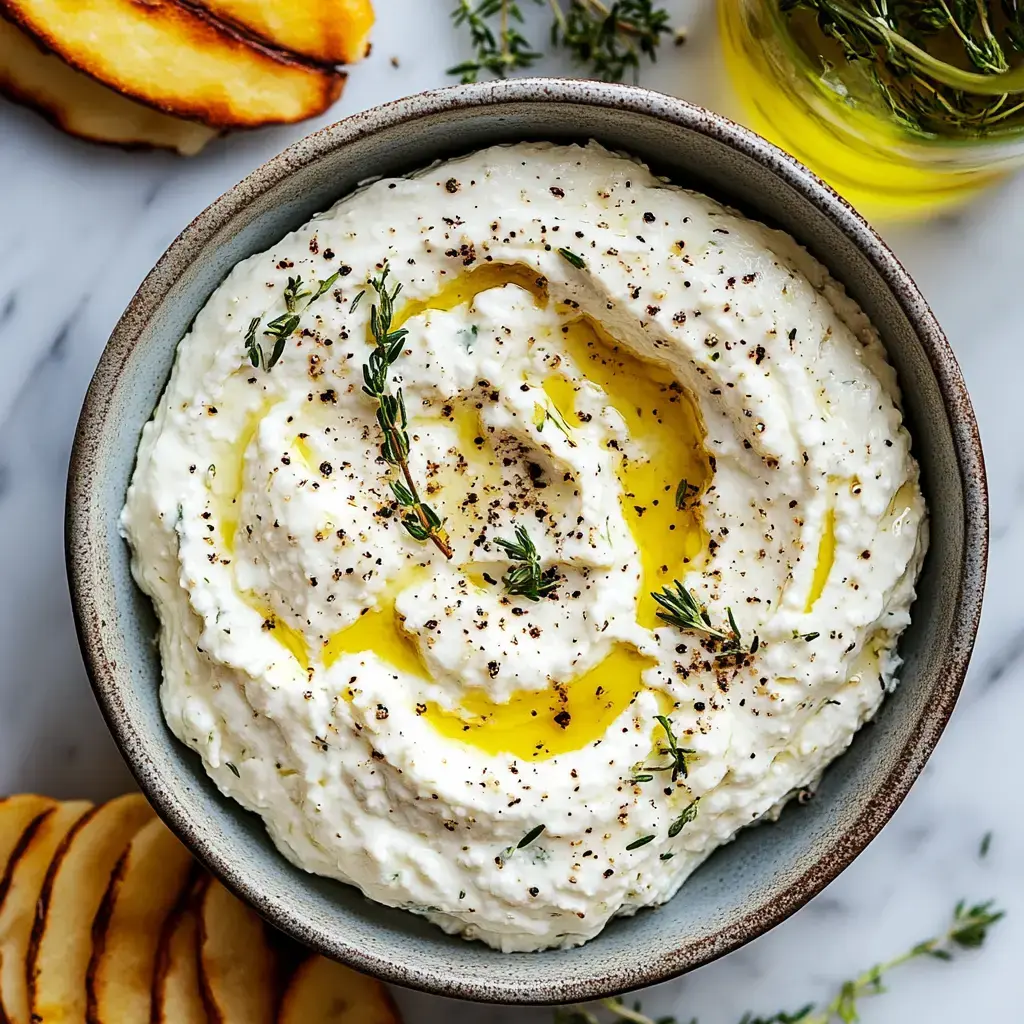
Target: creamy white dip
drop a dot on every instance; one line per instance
(400, 721)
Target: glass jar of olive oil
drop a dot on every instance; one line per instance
(906, 107)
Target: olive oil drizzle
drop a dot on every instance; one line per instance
(666, 445)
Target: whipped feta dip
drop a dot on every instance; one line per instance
(657, 392)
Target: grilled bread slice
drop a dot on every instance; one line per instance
(82, 107)
(61, 946)
(326, 992)
(25, 877)
(237, 966)
(328, 31)
(148, 883)
(179, 60)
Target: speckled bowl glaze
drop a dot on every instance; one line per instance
(770, 871)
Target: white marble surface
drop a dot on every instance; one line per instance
(80, 226)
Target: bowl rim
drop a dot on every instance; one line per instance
(85, 520)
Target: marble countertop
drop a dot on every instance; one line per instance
(81, 225)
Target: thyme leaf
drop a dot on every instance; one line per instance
(677, 755)
(543, 413)
(325, 286)
(685, 493)
(684, 819)
(252, 346)
(570, 257)
(530, 836)
(986, 843)
(293, 293)
(642, 841)
(279, 329)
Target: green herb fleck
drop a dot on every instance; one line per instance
(642, 841)
(252, 346)
(543, 413)
(279, 330)
(570, 257)
(530, 836)
(685, 492)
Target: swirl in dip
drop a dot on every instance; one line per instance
(649, 385)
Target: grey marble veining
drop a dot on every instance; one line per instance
(81, 225)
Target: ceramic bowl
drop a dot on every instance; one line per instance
(748, 886)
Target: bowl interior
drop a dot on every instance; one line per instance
(768, 871)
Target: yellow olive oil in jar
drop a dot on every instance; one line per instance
(905, 107)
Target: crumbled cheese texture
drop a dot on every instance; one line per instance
(657, 389)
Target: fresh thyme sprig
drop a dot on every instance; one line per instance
(607, 39)
(281, 328)
(499, 50)
(680, 608)
(895, 45)
(677, 756)
(420, 519)
(968, 930)
(527, 579)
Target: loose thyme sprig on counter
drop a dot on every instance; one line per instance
(420, 520)
(607, 39)
(968, 930)
(527, 579)
(498, 51)
(680, 608)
